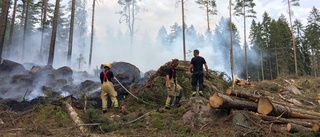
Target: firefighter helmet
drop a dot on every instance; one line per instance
(107, 65)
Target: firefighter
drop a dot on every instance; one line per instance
(107, 89)
(173, 88)
(196, 68)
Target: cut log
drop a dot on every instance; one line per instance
(76, 119)
(218, 100)
(306, 123)
(293, 128)
(265, 106)
(240, 94)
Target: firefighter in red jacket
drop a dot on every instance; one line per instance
(107, 89)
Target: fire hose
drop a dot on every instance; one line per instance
(133, 94)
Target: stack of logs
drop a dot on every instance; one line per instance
(296, 119)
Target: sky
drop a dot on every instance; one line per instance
(165, 13)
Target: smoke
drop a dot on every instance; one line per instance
(112, 43)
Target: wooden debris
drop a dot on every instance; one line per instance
(293, 128)
(219, 100)
(314, 124)
(265, 106)
(246, 95)
(76, 119)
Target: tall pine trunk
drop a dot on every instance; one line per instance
(71, 33)
(261, 62)
(207, 12)
(183, 31)
(3, 22)
(54, 33)
(231, 46)
(245, 39)
(92, 31)
(293, 40)
(25, 30)
(13, 18)
(43, 21)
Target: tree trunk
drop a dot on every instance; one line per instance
(13, 18)
(265, 106)
(3, 23)
(241, 94)
(245, 35)
(218, 100)
(270, 65)
(183, 32)
(43, 21)
(54, 33)
(293, 128)
(314, 124)
(71, 33)
(207, 12)
(25, 30)
(231, 46)
(262, 70)
(277, 64)
(21, 25)
(293, 40)
(92, 31)
(76, 119)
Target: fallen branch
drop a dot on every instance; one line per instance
(204, 125)
(306, 123)
(73, 114)
(296, 102)
(138, 118)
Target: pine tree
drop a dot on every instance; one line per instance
(211, 9)
(312, 34)
(245, 8)
(266, 20)
(3, 22)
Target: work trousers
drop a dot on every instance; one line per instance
(174, 91)
(107, 89)
(197, 77)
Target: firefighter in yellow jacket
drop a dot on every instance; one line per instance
(107, 89)
(173, 88)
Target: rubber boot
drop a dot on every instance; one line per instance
(169, 102)
(201, 93)
(177, 101)
(193, 93)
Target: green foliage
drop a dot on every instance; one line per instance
(159, 120)
(267, 86)
(57, 113)
(96, 116)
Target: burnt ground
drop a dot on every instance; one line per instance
(46, 116)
